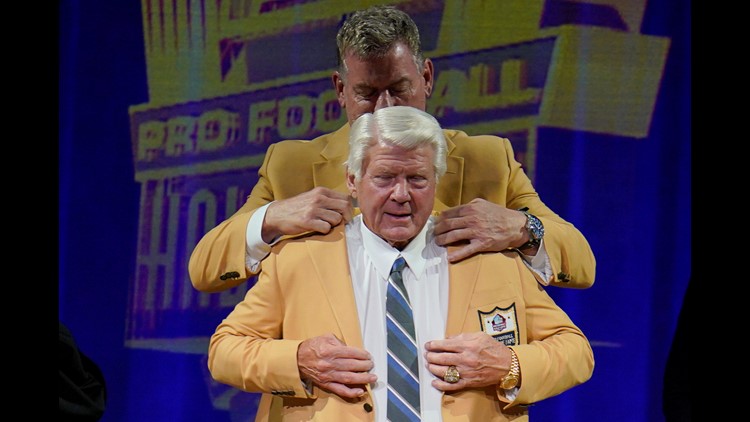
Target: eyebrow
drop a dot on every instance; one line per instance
(368, 86)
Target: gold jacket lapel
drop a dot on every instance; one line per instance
(463, 279)
(332, 268)
(330, 171)
(450, 186)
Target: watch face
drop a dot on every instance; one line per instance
(509, 382)
(535, 227)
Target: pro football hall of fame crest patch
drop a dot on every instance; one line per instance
(501, 324)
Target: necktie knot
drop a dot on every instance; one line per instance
(398, 265)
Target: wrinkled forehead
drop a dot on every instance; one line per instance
(397, 55)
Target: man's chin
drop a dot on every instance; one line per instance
(399, 238)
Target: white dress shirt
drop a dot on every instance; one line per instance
(426, 280)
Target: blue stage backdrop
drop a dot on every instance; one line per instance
(167, 107)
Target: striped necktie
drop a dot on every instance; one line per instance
(403, 369)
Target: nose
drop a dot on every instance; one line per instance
(384, 100)
(401, 192)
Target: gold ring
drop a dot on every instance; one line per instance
(451, 375)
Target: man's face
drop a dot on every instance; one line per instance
(396, 192)
(383, 82)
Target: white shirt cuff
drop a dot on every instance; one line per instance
(511, 393)
(256, 249)
(539, 263)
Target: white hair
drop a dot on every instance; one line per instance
(403, 126)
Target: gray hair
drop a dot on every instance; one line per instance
(370, 33)
(404, 126)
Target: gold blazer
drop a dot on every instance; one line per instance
(305, 290)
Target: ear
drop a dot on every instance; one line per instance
(350, 184)
(428, 74)
(338, 86)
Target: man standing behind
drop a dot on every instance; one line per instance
(371, 322)
(301, 186)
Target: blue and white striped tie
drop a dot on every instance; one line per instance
(403, 369)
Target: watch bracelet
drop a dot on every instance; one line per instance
(514, 371)
(531, 243)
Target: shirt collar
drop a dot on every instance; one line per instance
(382, 254)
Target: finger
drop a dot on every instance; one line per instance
(322, 198)
(323, 221)
(352, 365)
(352, 378)
(334, 200)
(332, 217)
(449, 345)
(463, 252)
(453, 236)
(336, 204)
(449, 224)
(342, 351)
(343, 390)
(438, 369)
(333, 193)
(319, 226)
(450, 213)
(441, 385)
(437, 362)
(334, 211)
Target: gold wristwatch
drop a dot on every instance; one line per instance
(514, 374)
